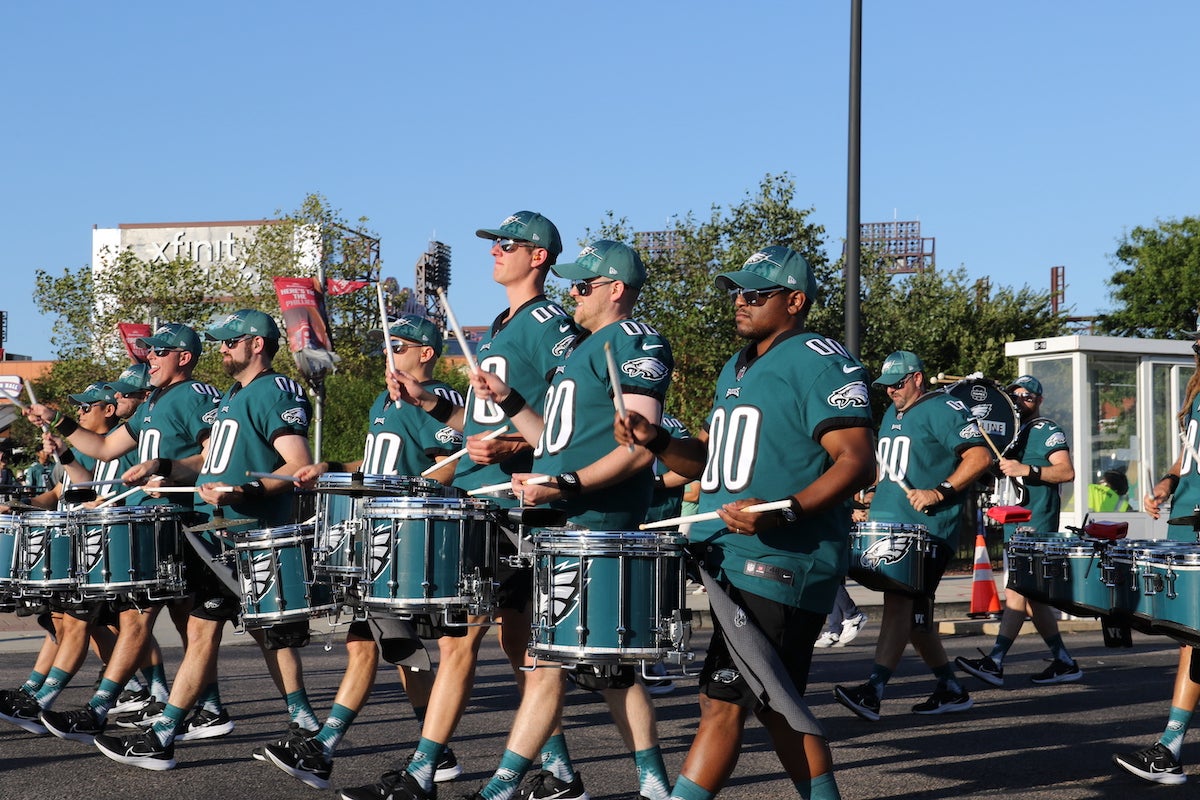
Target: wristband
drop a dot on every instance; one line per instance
(442, 410)
(253, 489)
(660, 442)
(1171, 479)
(947, 491)
(66, 426)
(568, 484)
(67, 457)
(1035, 473)
(164, 467)
(336, 466)
(512, 405)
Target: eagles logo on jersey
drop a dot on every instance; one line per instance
(852, 395)
(645, 367)
(295, 416)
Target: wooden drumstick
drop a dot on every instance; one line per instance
(458, 334)
(455, 456)
(387, 331)
(757, 508)
(988, 439)
(501, 487)
(614, 377)
(115, 498)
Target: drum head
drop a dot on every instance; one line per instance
(991, 405)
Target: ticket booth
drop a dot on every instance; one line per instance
(1117, 399)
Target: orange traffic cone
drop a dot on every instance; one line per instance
(985, 600)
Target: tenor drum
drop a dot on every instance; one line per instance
(10, 539)
(637, 612)
(274, 566)
(1171, 584)
(990, 406)
(1075, 583)
(45, 554)
(1124, 562)
(428, 555)
(1030, 573)
(130, 549)
(889, 557)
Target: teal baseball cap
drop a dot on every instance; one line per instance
(246, 322)
(771, 268)
(605, 259)
(174, 336)
(526, 226)
(897, 365)
(1028, 383)
(421, 330)
(134, 378)
(95, 393)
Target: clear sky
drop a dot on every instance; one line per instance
(1022, 135)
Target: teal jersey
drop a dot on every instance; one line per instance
(667, 503)
(764, 440)
(1035, 442)
(403, 440)
(110, 470)
(1186, 499)
(524, 352)
(245, 425)
(578, 418)
(921, 446)
(171, 423)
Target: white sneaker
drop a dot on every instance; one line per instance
(827, 639)
(851, 628)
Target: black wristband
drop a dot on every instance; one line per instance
(67, 458)
(1035, 473)
(66, 426)
(253, 489)
(512, 405)
(568, 484)
(947, 491)
(336, 466)
(661, 440)
(164, 467)
(1172, 479)
(442, 410)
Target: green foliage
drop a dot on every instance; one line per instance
(1156, 290)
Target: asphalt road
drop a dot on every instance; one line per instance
(1021, 741)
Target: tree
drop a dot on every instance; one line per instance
(1156, 291)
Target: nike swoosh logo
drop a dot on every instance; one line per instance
(848, 369)
(564, 328)
(651, 346)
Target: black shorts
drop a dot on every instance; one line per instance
(597, 680)
(397, 639)
(213, 600)
(791, 631)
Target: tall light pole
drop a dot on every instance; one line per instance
(853, 181)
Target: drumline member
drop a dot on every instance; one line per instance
(524, 345)
(401, 440)
(1038, 462)
(259, 425)
(1161, 762)
(600, 487)
(794, 406)
(926, 439)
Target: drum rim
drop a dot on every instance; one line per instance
(899, 528)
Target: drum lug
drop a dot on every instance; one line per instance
(1171, 594)
(1151, 584)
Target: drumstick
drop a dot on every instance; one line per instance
(614, 377)
(988, 439)
(454, 457)
(115, 498)
(272, 475)
(33, 399)
(500, 487)
(16, 401)
(757, 508)
(387, 334)
(903, 483)
(90, 484)
(458, 334)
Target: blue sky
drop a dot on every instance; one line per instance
(1023, 135)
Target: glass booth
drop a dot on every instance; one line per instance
(1116, 398)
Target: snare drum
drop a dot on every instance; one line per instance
(45, 554)
(1030, 574)
(274, 566)
(10, 539)
(1171, 584)
(130, 549)
(428, 555)
(638, 611)
(889, 556)
(1075, 583)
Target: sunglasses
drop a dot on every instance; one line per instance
(162, 352)
(900, 384)
(509, 245)
(235, 341)
(1024, 397)
(86, 407)
(399, 348)
(753, 297)
(586, 287)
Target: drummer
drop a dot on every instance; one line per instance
(401, 440)
(1038, 462)
(931, 452)
(600, 487)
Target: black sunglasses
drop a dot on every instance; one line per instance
(163, 351)
(584, 288)
(753, 297)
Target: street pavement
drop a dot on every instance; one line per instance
(1021, 741)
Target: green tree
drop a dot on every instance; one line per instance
(1157, 282)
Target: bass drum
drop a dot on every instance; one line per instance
(991, 406)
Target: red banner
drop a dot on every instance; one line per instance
(303, 308)
(130, 333)
(337, 286)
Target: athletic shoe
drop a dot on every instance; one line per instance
(140, 719)
(944, 701)
(204, 724)
(392, 786)
(862, 700)
(303, 759)
(1153, 764)
(1058, 672)
(545, 786)
(447, 767)
(294, 731)
(78, 724)
(826, 639)
(24, 712)
(851, 628)
(138, 749)
(985, 669)
(131, 701)
(660, 688)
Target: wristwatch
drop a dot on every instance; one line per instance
(789, 515)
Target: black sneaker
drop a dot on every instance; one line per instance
(985, 669)
(138, 749)
(303, 759)
(1058, 672)
(392, 786)
(1155, 764)
(78, 724)
(862, 700)
(545, 786)
(447, 768)
(944, 701)
(204, 724)
(294, 731)
(131, 701)
(24, 712)
(142, 718)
